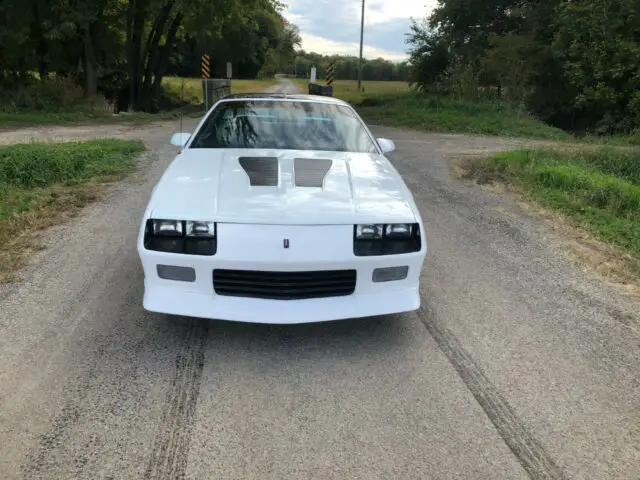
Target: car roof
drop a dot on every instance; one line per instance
(282, 96)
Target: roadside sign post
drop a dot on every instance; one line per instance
(330, 73)
(324, 90)
(213, 88)
(205, 67)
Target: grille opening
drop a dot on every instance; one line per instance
(284, 285)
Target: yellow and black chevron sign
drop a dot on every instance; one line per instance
(330, 73)
(206, 66)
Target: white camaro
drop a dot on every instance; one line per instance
(281, 209)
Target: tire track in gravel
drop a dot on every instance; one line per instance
(170, 451)
(530, 453)
(527, 449)
(56, 446)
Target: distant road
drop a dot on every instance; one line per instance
(284, 85)
(518, 366)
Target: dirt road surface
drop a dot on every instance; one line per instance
(517, 365)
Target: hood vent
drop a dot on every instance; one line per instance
(310, 172)
(262, 171)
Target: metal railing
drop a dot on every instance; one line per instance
(214, 89)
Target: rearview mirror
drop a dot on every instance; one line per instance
(180, 139)
(386, 145)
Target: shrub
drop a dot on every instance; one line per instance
(55, 94)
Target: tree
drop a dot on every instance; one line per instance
(574, 63)
(429, 55)
(127, 46)
(467, 25)
(346, 67)
(598, 43)
(507, 65)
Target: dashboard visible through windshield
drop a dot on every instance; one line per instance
(284, 125)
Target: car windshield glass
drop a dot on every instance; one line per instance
(284, 125)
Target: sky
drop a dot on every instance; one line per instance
(333, 26)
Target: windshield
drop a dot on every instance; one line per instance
(284, 125)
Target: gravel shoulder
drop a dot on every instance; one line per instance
(562, 348)
(517, 366)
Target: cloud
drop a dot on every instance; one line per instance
(312, 43)
(333, 26)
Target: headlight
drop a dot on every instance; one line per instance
(201, 229)
(167, 228)
(398, 230)
(369, 231)
(189, 237)
(386, 239)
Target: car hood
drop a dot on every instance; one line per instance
(281, 187)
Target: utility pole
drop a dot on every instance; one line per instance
(361, 40)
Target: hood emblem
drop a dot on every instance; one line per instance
(285, 243)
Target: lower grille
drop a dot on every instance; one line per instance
(284, 285)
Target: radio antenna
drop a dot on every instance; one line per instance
(182, 106)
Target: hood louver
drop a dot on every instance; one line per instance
(310, 172)
(262, 171)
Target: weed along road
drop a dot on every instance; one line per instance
(517, 366)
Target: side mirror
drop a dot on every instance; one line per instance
(180, 139)
(386, 145)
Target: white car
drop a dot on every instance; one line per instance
(281, 209)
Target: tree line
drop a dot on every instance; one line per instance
(124, 48)
(575, 64)
(346, 67)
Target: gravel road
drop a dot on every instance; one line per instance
(517, 366)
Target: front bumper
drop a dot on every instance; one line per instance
(261, 247)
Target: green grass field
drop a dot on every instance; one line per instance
(347, 90)
(40, 184)
(598, 189)
(430, 114)
(191, 91)
(395, 104)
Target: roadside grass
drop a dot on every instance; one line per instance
(427, 112)
(628, 140)
(598, 190)
(19, 119)
(42, 184)
(395, 104)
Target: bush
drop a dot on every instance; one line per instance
(55, 94)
